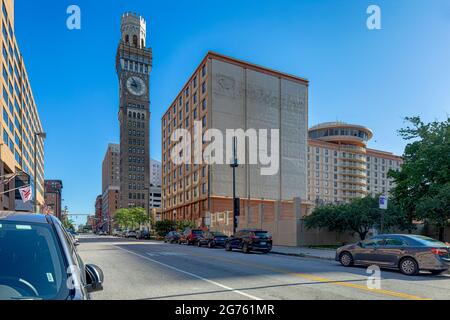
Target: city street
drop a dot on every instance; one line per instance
(154, 270)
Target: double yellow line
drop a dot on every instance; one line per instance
(320, 279)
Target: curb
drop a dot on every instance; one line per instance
(301, 255)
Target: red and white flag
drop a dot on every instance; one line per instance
(26, 194)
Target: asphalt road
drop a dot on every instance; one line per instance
(154, 270)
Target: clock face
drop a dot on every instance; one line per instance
(136, 86)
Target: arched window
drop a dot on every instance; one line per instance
(135, 41)
(142, 44)
(127, 39)
(134, 114)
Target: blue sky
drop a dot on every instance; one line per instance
(374, 78)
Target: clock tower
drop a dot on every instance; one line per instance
(134, 64)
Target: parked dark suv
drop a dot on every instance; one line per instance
(213, 239)
(250, 240)
(191, 236)
(39, 261)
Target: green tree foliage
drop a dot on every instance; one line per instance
(356, 217)
(131, 218)
(164, 227)
(422, 186)
(68, 224)
(184, 224)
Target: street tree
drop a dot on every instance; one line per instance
(421, 187)
(357, 217)
(164, 227)
(185, 224)
(131, 218)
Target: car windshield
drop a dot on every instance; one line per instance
(262, 234)
(429, 241)
(31, 263)
(197, 232)
(218, 234)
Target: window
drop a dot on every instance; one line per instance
(204, 104)
(203, 87)
(394, 241)
(195, 82)
(204, 70)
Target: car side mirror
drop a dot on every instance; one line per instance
(76, 242)
(94, 278)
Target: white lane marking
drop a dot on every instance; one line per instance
(172, 254)
(193, 275)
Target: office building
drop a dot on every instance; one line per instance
(110, 184)
(53, 197)
(155, 173)
(99, 222)
(20, 121)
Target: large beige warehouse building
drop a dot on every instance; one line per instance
(225, 93)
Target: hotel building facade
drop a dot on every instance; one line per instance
(225, 93)
(19, 120)
(341, 167)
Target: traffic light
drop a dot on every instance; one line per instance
(237, 207)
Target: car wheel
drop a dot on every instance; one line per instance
(210, 245)
(228, 247)
(409, 266)
(346, 259)
(437, 272)
(245, 248)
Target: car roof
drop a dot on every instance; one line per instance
(13, 216)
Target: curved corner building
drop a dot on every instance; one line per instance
(341, 167)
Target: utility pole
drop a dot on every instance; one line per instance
(236, 201)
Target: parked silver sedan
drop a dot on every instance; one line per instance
(409, 253)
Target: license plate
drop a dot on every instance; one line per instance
(263, 243)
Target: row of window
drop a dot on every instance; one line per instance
(326, 152)
(186, 91)
(134, 66)
(173, 201)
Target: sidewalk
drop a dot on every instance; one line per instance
(327, 254)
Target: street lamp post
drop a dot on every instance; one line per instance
(43, 136)
(236, 201)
